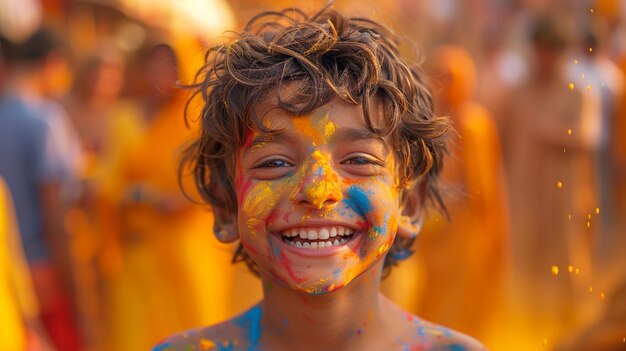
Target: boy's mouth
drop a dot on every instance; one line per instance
(317, 238)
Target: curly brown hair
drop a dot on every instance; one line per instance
(355, 59)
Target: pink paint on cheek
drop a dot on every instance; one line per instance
(249, 248)
(287, 264)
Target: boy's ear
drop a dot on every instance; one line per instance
(225, 226)
(410, 223)
(408, 227)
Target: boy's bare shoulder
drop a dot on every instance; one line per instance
(429, 336)
(234, 334)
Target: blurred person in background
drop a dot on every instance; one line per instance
(94, 94)
(162, 284)
(550, 185)
(21, 328)
(37, 162)
(472, 249)
(602, 85)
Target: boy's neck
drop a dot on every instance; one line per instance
(339, 320)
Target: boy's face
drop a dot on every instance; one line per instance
(318, 201)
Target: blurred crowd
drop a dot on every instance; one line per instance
(100, 249)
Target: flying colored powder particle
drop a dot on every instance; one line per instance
(591, 289)
(602, 296)
(569, 132)
(559, 184)
(570, 268)
(588, 87)
(571, 86)
(597, 210)
(577, 271)
(575, 62)
(555, 270)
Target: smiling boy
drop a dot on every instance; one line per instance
(318, 151)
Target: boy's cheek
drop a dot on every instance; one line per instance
(257, 201)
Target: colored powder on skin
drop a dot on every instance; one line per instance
(163, 347)
(326, 184)
(261, 198)
(358, 200)
(329, 129)
(285, 263)
(206, 344)
(304, 126)
(336, 273)
(376, 230)
(251, 322)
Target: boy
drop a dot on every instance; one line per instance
(318, 151)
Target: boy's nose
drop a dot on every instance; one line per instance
(319, 186)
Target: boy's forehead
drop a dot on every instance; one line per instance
(337, 113)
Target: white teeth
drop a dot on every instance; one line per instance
(324, 234)
(333, 232)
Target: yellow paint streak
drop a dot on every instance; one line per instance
(303, 125)
(329, 129)
(383, 249)
(257, 203)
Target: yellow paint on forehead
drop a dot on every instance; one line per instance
(303, 125)
(329, 129)
(316, 126)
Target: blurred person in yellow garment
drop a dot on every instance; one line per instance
(457, 275)
(165, 242)
(20, 328)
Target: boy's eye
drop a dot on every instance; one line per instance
(273, 163)
(360, 160)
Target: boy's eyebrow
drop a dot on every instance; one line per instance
(357, 134)
(266, 138)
